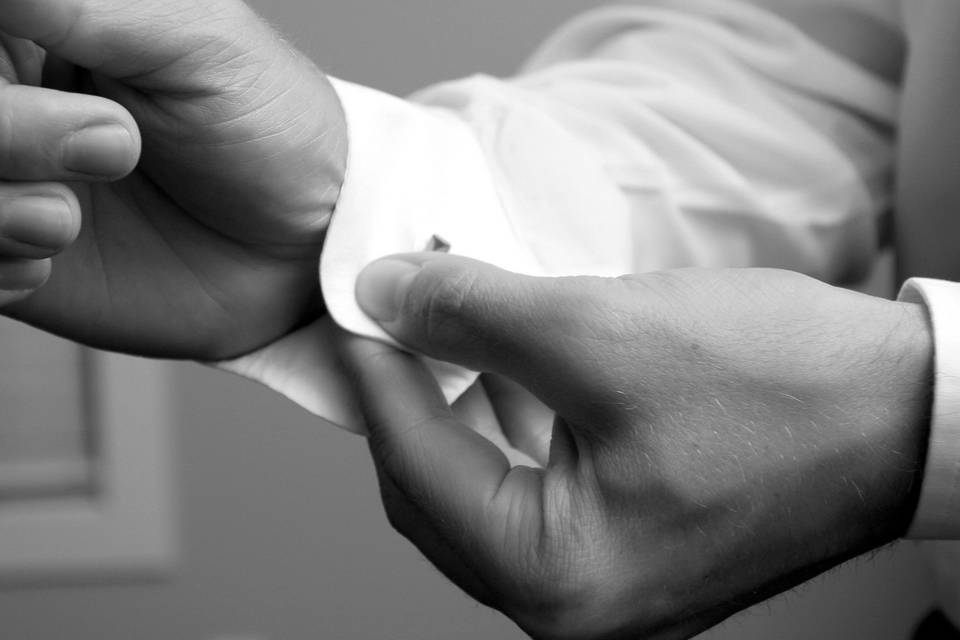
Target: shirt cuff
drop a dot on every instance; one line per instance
(416, 177)
(938, 511)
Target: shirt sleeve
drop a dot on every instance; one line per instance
(938, 511)
(643, 137)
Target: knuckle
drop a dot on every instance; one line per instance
(388, 448)
(53, 33)
(446, 294)
(31, 132)
(443, 302)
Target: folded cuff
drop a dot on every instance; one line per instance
(938, 511)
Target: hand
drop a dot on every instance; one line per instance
(209, 247)
(508, 416)
(720, 436)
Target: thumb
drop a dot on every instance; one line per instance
(123, 39)
(537, 331)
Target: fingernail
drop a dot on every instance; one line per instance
(382, 287)
(102, 150)
(36, 220)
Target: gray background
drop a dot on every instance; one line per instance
(282, 534)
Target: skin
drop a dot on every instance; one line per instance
(695, 467)
(719, 436)
(192, 228)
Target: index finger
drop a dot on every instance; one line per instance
(450, 472)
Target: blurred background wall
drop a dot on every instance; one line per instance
(282, 534)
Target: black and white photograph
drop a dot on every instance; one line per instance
(418, 320)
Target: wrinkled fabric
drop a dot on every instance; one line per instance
(637, 138)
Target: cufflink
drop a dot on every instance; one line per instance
(438, 244)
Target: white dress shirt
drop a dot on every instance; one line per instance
(637, 138)
(938, 513)
(640, 137)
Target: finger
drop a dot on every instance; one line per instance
(526, 422)
(454, 475)
(411, 523)
(53, 135)
(20, 278)
(37, 220)
(121, 39)
(475, 410)
(22, 61)
(558, 337)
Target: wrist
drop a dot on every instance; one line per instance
(899, 385)
(858, 480)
